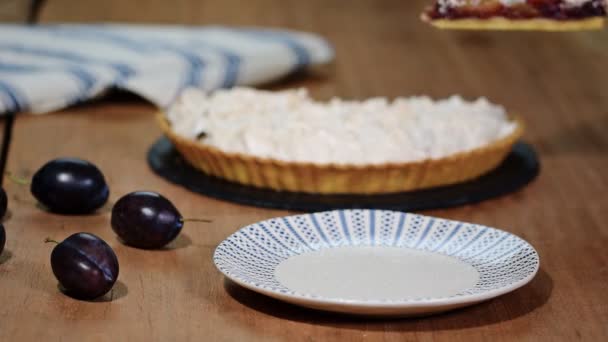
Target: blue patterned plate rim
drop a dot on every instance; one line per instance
(249, 257)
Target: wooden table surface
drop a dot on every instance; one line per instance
(556, 82)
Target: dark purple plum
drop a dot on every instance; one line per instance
(70, 186)
(146, 220)
(85, 266)
(3, 203)
(2, 238)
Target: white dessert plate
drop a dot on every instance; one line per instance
(376, 262)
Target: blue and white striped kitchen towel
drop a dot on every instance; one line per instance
(49, 67)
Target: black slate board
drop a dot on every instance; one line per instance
(518, 169)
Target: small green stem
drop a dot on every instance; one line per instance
(47, 240)
(194, 220)
(16, 179)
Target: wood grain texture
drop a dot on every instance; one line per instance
(14, 10)
(556, 82)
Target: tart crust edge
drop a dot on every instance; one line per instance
(501, 23)
(343, 179)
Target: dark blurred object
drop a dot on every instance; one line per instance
(20, 11)
(9, 120)
(17, 11)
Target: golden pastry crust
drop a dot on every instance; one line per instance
(342, 179)
(500, 23)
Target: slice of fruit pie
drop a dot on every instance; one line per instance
(549, 15)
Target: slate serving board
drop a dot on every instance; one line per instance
(519, 168)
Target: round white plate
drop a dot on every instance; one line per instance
(376, 262)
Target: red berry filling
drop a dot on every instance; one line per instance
(552, 9)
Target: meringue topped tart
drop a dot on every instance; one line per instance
(288, 141)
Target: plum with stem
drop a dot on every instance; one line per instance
(85, 266)
(147, 220)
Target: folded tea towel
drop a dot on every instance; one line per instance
(49, 67)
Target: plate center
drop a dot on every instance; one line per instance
(375, 273)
